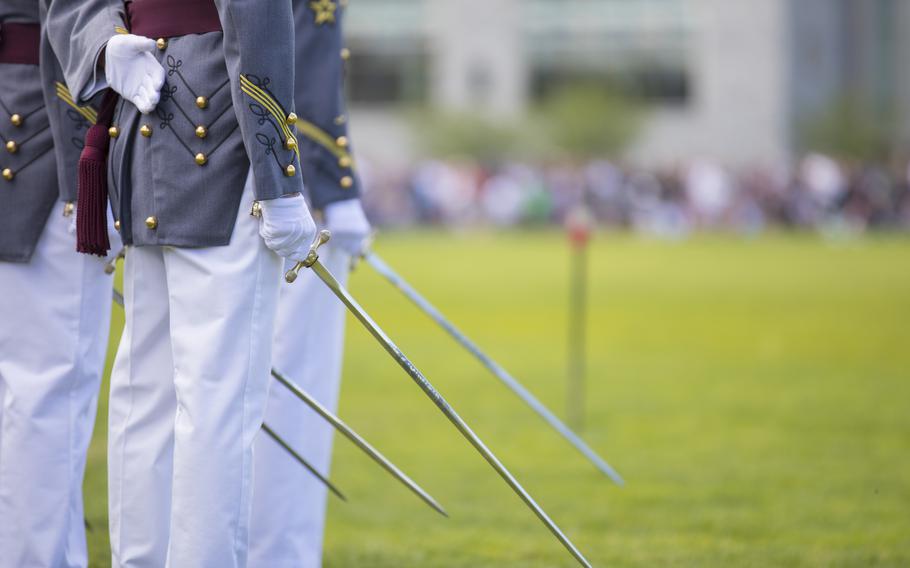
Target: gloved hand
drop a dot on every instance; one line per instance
(133, 71)
(287, 227)
(348, 224)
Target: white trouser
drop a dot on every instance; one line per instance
(288, 502)
(188, 394)
(54, 324)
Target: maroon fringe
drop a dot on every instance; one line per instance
(91, 212)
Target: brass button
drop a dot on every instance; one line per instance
(151, 222)
(69, 208)
(202, 102)
(291, 119)
(201, 131)
(256, 210)
(8, 174)
(12, 147)
(345, 53)
(113, 132)
(290, 171)
(116, 225)
(290, 144)
(342, 141)
(161, 43)
(345, 161)
(347, 182)
(16, 119)
(201, 159)
(146, 130)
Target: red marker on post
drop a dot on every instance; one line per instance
(580, 227)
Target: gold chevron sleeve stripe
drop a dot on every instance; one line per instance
(271, 106)
(322, 138)
(278, 118)
(87, 112)
(265, 99)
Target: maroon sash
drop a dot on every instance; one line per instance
(172, 18)
(19, 43)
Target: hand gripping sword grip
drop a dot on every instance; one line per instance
(321, 238)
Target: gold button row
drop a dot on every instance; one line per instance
(151, 223)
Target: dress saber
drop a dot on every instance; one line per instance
(312, 261)
(351, 435)
(271, 433)
(344, 429)
(498, 371)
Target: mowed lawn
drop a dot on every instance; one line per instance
(755, 394)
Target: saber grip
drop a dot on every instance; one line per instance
(322, 237)
(111, 267)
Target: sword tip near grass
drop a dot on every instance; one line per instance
(358, 441)
(312, 261)
(331, 487)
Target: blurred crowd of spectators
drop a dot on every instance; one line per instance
(819, 194)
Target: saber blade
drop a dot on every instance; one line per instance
(358, 441)
(313, 262)
(498, 371)
(271, 433)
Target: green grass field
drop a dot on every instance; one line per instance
(754, 393)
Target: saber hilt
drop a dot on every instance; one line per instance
(111, 266)
(321, 238)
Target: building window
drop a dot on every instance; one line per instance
(386, 75)
(659, 85)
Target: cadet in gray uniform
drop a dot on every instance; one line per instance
(54, 304)
(205, 134)
(289, 508)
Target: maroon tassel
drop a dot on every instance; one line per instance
(91, 212)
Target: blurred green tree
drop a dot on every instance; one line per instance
(589, 121)
(575, 122)
(850, 129)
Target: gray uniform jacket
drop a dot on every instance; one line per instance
(37, 116)
(176, 176)
(329, 170)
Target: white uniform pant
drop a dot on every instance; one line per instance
(54, 324)
(188, 394)
(288, 502)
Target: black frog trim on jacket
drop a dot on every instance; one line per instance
(269, 111)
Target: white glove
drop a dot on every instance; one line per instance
(287, 227)
(133, 71)
(348, 224)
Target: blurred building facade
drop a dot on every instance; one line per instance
(727, 81)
